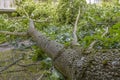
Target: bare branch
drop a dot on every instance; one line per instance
(6, 67)
(13, 71)
(7, 60)
(27, 15)
(27, 65)
(14, 33)
(31, 24)
(106, 31)
(94, 42)
(75, 39)
(41, 76)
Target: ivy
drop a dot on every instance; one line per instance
(91, 26)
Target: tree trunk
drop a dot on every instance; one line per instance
(76, 64)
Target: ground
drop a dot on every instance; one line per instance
(16, 64)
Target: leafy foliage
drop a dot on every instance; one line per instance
(15, 24)
(67, 10)
(37, 11)
(92, 23)
(96, 19)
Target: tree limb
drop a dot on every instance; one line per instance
(14, 33)
(52, 48)
(13, 71)
(28, 65)
(75, 39)
(6, 67)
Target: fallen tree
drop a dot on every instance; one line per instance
(76, 63)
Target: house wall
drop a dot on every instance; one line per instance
(7, 4)
(93, 1)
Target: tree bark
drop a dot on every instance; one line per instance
(76, 64)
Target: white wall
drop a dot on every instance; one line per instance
(7, 4)
(93, 1)
(1, 3)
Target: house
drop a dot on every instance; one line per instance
(93, 1)
(7, 5)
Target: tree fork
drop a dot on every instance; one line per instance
(63, 59)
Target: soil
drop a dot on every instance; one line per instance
(23, 69)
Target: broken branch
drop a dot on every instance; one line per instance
(75, 39)
(6, 67)
(94, 42)
(14, 33)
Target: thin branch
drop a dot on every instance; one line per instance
(13, 71)
(31, 24)
(75, 39)
(14, 33)
(41, 76)
(35, 20)
(106, 31)
(27, 65)
(6, 67)
(27, 15)
(94, 42)
(7, 60)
